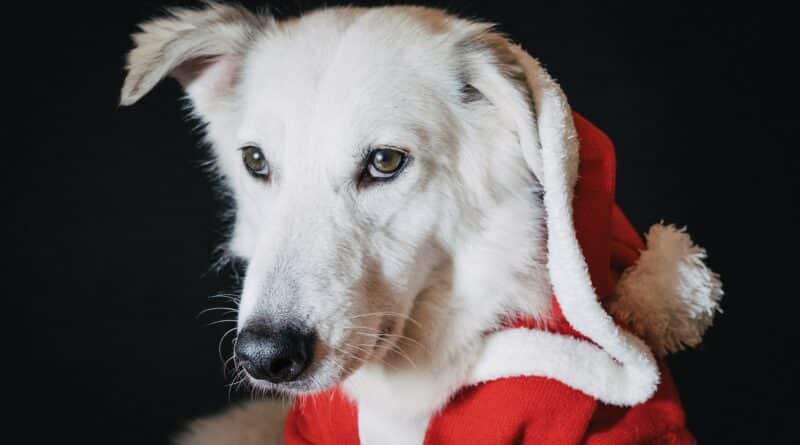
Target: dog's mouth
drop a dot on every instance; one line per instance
(331, 364)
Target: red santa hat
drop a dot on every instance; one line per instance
(666, 296)
(618, 305)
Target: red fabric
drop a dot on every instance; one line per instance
(321, 419)
(536, 410)
(510, 411)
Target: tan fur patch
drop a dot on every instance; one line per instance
(255, 423)
(165, 45)
(498, 47)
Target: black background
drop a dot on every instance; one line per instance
(112, 223)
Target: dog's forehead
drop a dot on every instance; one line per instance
(346, 78)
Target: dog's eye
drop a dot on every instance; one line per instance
(385, 163)
(254, 161)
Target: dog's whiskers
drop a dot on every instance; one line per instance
(359, 347)
(240, 378)
(233, 354)
(390, 314)
(350, 355)
(232, 297)
(396, 349)
(230, 360)
(221, 321)
(372, 332)
(228, 310)
(345, 370)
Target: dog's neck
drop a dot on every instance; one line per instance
(396, 398)
(490, 279)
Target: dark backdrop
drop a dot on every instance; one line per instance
(112, 223)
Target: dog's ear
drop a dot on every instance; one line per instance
(201, 48)
(523, 94)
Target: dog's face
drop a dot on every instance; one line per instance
(346, 224)
(371, 171)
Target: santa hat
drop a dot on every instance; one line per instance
(602, 274)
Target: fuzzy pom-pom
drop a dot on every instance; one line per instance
(669, 297)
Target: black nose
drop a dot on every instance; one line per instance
(276, 355)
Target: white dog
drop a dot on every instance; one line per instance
(402, 181)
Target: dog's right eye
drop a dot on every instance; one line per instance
(255, 161)
(382, 164)
(385, 163)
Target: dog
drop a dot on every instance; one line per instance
(404, 187)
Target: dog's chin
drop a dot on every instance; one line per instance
(319, 377)
(308, 383)
(294, 388)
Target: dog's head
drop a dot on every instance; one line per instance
(382, 166)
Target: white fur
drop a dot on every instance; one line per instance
(447, 251)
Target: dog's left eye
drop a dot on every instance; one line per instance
(385, 163)
(255, 161)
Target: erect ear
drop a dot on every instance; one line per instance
(201, 48)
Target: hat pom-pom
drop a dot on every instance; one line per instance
(669, 296)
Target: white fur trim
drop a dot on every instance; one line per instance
(630, 366)
(576, 363)
(669, 296)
